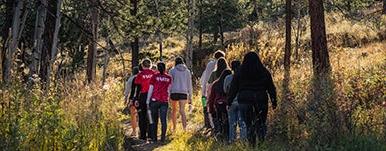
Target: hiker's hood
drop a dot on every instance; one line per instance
(181, 67)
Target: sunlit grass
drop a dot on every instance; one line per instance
(75, 116)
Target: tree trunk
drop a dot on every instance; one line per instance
(54, 50)
(9, 53)
(320, 57)
(251, 35)
(92, 47)
(38, 34)
(189, 35)
(106, 61)
(221, 34)
(200, 38)
(287, 52)
(112, 46)
(215, 36)
(135, 52)
(298, 34)
(160, 46)
(220, 23)
(49, 50)
(256, 9)
(159, 32)
(6, 29)
(384, 6)
(22, 24)
(256, 36)
(200, 30)
(134, 44)
(287, 64)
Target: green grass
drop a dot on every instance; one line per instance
(73, 116)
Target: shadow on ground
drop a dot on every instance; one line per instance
(134, 144)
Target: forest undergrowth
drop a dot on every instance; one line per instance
(347, 114)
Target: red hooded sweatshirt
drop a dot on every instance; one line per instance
(161, 84)
(143, 79)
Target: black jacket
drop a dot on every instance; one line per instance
(250, 91)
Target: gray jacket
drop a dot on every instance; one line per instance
(182, 80)
(210, 67)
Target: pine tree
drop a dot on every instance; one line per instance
(287, 53)
(92, 47)
(320, 57)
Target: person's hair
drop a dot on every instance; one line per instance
(221, 66)
(161, 67)
(140, 68)
(252, 68)
(218, 54)
(153, 67)
(135, 70)
(220, 81)
(235, 65)
(146, 63)
(179, 60)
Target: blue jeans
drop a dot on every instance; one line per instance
(158, 110)
(234, 118)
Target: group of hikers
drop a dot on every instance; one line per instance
(231, 96)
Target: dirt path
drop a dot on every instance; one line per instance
(134, 144)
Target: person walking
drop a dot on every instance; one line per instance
(252, 85)
(130, 91)
(221, 66)
(157, 101)
(143, 81)
(181, 91)
(217, 106)
(233, 109)
(210, 67)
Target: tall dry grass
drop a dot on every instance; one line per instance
(342, 113)
(67, 117)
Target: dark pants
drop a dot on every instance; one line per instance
(143, 121)
(206, 117)
(221, 121)
(246, 116)
(158, 110)
(261, 110)
(255, 117)
(253, 107)
(205, 111)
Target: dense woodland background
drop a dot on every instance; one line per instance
(64, 64)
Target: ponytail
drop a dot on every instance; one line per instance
(161, 67)
(179, 60)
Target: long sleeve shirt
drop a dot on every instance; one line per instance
(210, 67)
(263, 84)
(129, 88)
(182, 80)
